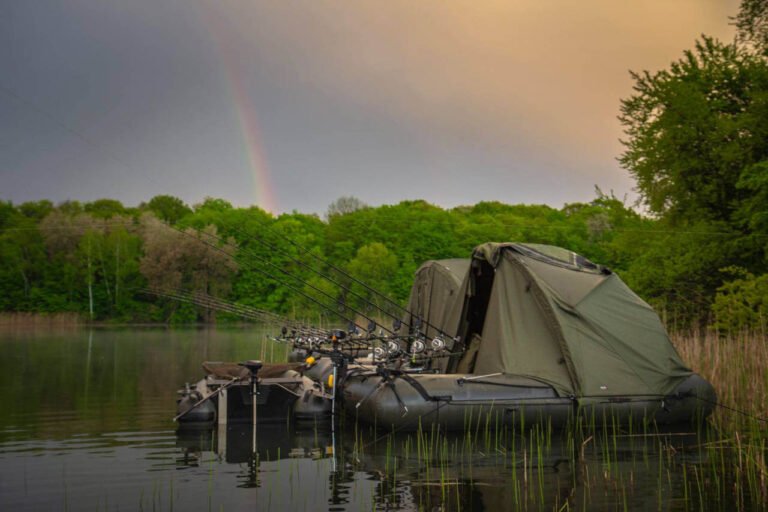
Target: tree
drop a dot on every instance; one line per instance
(22, 254)
(678, 271)
(752, 24)
(105, 208)
(742, 304)
(692, 131)
(168, 208)
(36, 210)
(374, 265)
(697, 144)
(193, 261)
(102, 254)
(344, 205)
(213, 204)
(71, 256)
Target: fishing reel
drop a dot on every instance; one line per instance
(422, 351)
(386, 351)
(417, 349)
(418, 346)
(308, 342)
(437, 344)
(309, 339)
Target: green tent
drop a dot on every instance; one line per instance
(435, 297)
(549, 314)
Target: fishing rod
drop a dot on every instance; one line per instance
(283, 271)
(414, 329)
(415, 345)
(279, 280)
(323, 275)
(383, 349)
(260, 239)
(348, 276)
(313, 341)
(301, 336)
(248, 312)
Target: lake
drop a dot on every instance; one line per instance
(88, 426)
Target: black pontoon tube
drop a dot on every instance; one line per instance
(205, 399)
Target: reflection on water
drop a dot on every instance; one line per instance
(87, 426)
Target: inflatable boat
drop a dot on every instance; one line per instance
(520, 333)
(457, 402)
(543, 334)
(226, 395)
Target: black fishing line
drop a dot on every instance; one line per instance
(249, 312)
(325, 276)
(733, 409)
(342, 272)
(298, 279)
(281, 281)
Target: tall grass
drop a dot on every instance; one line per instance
(40, 320)
(737, 366)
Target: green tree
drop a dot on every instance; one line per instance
(344, 205)
(189, 260)
(23, 261)
(678, 271)
(697, 144)
(92, 264)
(375, 265)
(168, 208)
(105, 208)
(36, 210)
(68, 257)
(692, 131)
(742, 303)
(752, 24)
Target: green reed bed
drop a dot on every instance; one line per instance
(737, 366)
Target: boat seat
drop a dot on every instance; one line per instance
(220, 370)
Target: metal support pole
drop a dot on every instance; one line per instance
(333, 417)
(254, 367)
(222, 423)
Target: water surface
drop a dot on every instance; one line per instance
(87, 426)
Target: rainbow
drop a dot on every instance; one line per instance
(255, 154)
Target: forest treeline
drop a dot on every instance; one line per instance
(696, 142)
(96, 258)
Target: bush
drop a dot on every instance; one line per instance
(742, 304)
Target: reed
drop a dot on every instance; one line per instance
(40, 320)
(737, 366)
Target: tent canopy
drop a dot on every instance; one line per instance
(435, 297)
(550, 314)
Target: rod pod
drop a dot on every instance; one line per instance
(254, 366)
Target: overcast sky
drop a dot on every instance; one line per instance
(291, 104)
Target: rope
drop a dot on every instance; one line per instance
(733, 409)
